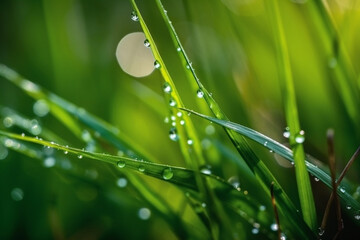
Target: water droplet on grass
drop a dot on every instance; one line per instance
(200, 93)
(17, 194)
(348, 207)
(49, 162)
(234, 181)
(134, 16)
(262, 208)
(206, 169)
(316, 179)
(274, 227)
(121, 164)
(8, 122)
(342, 190)
(286, 132)
(80, 156)
(179, 114)
(167, 88)
(41, 108)
(167, 173)
(146, 43)
(178, 49)
(144, 213)
(157, 64)
(121, 182)
(210, 130)
(172, 102)
(173, 134)
(255, 231)
(321, 231)
(182, 122)
(300, 137)
(190, 142)
(141, 168)
(357, 216)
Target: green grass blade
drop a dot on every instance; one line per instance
(261, 172)
(278, 148)
(302, 177)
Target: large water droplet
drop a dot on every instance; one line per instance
(121, 164)
(134, 16)
(35, 128)
(41, 108)
(300, 137)
(121, 182)
(17, 194)
(144, 213)
(206, 169)
(49, 162)
(146, 43)
(167, 173)
(157, 64)
(286, 132)
(167, 88)
(173, 134)
(200, 93)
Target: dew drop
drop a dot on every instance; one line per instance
(234, 181)
(144, 213)
(167, 88)
(121, 164)
(265, 143)
(173, 118)
(80, 156)
(86, 136)
(141, 168)
(348, 207)
(286, 132)
(166, 120)
(200, 93)
(146, 43)
(8, 122)
(274, 227)
(157, 64)
(134, 16)
(167, 173)
(283, 236)
(321, 231)
(206, 169)
(179, 114)
(172, 102)
(210, 130)
(342, 190)
(178, 49)
(17, 194)
(49, 162)
(357, 216)
(300, 137)
(173, 124)
(255, 231)
(173, 134)
(23, 134)
(262, 208)
(190, 142)
(256, 225)
(182, 122)
(121, 182)
(41, 108)
(35, 128)
(316, 179)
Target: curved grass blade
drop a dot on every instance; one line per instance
(262, 173)
(285, 152)
(302, 177)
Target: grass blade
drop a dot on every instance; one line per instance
(302, 178)
(288, 154)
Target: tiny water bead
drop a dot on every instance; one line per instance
(121, 164)
(182, 122)
(179, 114)
(357, 216)
(49, 162)
(342, 189)
(8, 122)
(348, 207)
(167, 88)
(167, 173)
(121, 182)
(141, 168)
(157, 64)
(146, 43)
(206, 169)
(316, 179)
(23, 134)
(300, 137)
(41, 108)
(274, 227)
(173, 134)
(286, 132)
(172, 102)
(17, 194)
(190, 142)
(262, 208)
(178, 49)
(166, 120)
(134, 16)
(80, 156)
(255, 231)
(199, 93)
(173, 118)
(144, 213)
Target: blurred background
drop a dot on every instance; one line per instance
(71, 48)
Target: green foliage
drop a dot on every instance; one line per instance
(113, 168)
